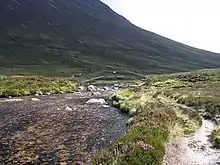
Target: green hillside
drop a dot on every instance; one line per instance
(66, 37)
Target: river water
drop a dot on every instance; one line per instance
(47, 132)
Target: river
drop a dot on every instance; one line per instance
(57, 129)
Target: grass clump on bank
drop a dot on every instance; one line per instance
(29, 85)
(216, 137)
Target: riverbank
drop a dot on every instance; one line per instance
(162, 109)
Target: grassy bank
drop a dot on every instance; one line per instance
(29, 85)
(156, 119)
(162, 108)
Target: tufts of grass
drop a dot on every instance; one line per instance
(123, 94)
(153, 125)
(25, 85)
(202, 92)
(216, 137)
(124, 100)
(168, 106)
(210, 104)
(171, 83)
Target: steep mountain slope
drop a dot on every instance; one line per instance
(69, 36)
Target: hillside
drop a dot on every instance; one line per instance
(65, 37)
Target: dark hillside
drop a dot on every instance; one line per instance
(62, 37)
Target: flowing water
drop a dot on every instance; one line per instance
(47, 132)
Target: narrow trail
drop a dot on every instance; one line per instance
(194, 150)
(47, 132)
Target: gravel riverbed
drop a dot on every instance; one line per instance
(56, 129)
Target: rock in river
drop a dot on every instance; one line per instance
(68, 109)
(96, 93)
(105, 88)
(98, 101)
(91, 88)
(35, 99)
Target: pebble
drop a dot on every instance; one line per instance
(132, 111)
(96, 93)
(106, 88)
(35, 99)
(91, 88)
(81, 88)
(106, 106)
(48, 93)
(68, 109)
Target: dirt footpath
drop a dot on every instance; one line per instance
(194, 150)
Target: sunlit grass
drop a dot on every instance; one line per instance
(30, 85)
(168, 106)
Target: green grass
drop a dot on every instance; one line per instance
(202, 93)
(30, 85)
(72, 46)
(168, 106)
(216, 137)
(154, 123)
(36, 70)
